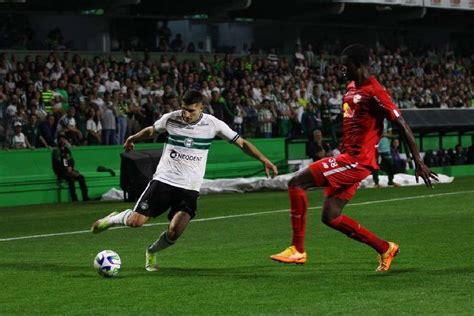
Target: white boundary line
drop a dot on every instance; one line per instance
(242, 215)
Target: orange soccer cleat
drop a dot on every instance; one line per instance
(290, 255)
(385, 260)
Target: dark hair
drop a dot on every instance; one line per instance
(192, 96)
(357, 54)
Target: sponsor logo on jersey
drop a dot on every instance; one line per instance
(176, 156)
(347, 110)
(188, 142)
(144, 205)
(356, 98)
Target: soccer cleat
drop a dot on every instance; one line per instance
(290, 255)
(102, 224)
(150, 262)
(385, 260)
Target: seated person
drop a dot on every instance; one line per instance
(18, 140)
(443, 158)
(430, 159)
(315, 148)
(399, 164)
(459, 156)
(63, 167)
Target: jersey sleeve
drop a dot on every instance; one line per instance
(160, 124)
(383, 99)
(223, 130)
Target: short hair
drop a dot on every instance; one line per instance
(357, 54)
(192, 96)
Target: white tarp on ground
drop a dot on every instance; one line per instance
(240, 185)
(279, 183)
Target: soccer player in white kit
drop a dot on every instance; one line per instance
(180, 172)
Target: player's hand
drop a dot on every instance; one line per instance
(422, 171)
(269, 166)
(129, 145)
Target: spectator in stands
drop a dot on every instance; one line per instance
(430, 159)
(310, 56)
(399, 164)
(414, 79)
(63, 167)
(47, 132)
(310, 121)
(251, 118)
(315, 148)
(265, 119)
(31, 130)
(67, 125)
(217, 105)
(284, 117)
(443, 158)
(164, 33)
(18, 140)
(459, 156)
(108, 114)
(177, 44)
(94, 127)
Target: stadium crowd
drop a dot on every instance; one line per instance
(103, 100)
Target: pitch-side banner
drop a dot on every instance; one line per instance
(418, 3)
(442, 4)
(450, 4)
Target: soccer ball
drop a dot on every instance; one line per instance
(107, 263)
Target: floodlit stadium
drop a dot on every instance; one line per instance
(237, 157)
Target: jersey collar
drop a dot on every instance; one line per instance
(194, 123)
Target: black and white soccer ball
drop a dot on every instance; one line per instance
(107, 263)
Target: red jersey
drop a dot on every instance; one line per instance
(364, 110)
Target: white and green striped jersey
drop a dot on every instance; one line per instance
(183, 162)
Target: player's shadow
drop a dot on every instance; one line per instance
(242, 272)
(420, 271)
(41, 266)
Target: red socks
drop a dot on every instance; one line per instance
(299, 207)
(353, 230)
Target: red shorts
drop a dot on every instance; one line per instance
(340, 176)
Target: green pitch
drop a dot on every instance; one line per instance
(221, 265)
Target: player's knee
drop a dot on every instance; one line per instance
(295, 183)
(328, 216)
(135, 221)
(327, 219)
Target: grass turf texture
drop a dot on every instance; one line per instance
(222, 266)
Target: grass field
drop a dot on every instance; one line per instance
(221, 264)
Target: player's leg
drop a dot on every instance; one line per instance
(183, 209)
(333, 217)
(72, 187)
(167, 238)
(298, 212)
(140, 214)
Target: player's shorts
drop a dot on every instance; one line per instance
(340, 176)
(158, 197)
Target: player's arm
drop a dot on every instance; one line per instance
(145, 133)
(421, 170)
(250, 149)
(393, 114)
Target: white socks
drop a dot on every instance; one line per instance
(121, 218)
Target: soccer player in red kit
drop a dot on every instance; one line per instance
(365, 106)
